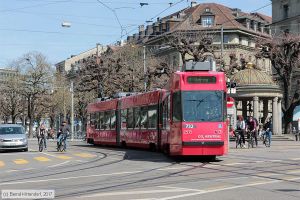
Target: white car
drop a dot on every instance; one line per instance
(13, 137)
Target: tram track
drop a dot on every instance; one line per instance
(63, 169)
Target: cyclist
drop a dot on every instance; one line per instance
(62, 134)
(251, 127)
(43, 134)
(240, 127)
(268, 127)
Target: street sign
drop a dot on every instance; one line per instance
(230, 111)
(232, 90)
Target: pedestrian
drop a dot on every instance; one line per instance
(295, 132)
(241, 127)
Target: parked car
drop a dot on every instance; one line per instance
(13, 137)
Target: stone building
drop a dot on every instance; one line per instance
(68, 64)
(240, 32)
(259, 96)
(285, 16)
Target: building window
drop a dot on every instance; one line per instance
(248, 24)
(207, 10)
(207, 21)
(285, 11)
(255, 26)
(226, 39)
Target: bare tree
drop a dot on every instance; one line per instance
(121, 71)
(195, 45)
(284, 54)
(11, 98)
(35, 80)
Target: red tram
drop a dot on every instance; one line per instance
(187, 119)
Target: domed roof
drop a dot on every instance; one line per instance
(251, 76)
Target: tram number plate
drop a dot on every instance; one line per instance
(190, 126)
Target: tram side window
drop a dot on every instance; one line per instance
(169, 112)
(101, 115)
(113, 119)
(107, 120)
(152, 116)
(144, 117)
(165, 114)
(92, 119)
(89, 119)
(97, 121)
(123, 118)
(177, 116)
(137, 118)
(225, 106)
(130, 118)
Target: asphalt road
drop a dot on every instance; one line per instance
(88, 172)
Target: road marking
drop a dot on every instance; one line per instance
(187, 189)
(267, 174)
(134, 192)
(295, 158)
(64, 157)
(42, 159)
(237, 163)
(82, 161)
(275, 161)
(12, 170)
(18, 170)
(59, 164)
(68, 178)
(2, 164)
(228, 188)
(20, 161)
(217, 186)
(85, 155)
(171, 168)
(293, 171)
(48, 154)
(260, 161)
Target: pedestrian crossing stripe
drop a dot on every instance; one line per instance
(42, 159)
(47, 159)
(20, 161)
(85, 155)
(64, 157)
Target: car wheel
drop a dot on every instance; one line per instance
(26, 149)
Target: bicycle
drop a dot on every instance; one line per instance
(41, 143)
(61, 144)
(251, 139)
(238, 139)
(266, 141)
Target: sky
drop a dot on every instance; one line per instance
(35, 25)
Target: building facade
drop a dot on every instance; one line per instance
(285, 16)
(6, 73)
(240, 32)
(66, 65)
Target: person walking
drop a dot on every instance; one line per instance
(241, 127)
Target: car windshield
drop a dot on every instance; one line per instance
(201, 106)
(10, 130)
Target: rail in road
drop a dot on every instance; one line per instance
(113, 174)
